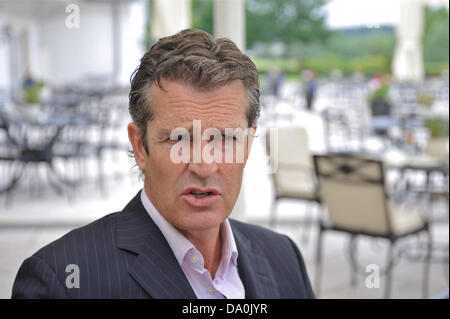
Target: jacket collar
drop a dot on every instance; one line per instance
(157, 271)
(155, 268)
(254, 269)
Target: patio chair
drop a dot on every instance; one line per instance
(8, 152)
(294, 177)
(112, 119)
(353, 190)
(94, 137)
(344, 131)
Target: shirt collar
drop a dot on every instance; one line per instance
(180, 245)
(229, 250)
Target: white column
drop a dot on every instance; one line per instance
(18, 59)
(170, 17)
(407, 64)
(133, 15)
(229, 21)
(116, 17)
(5, 73)
(33, 58)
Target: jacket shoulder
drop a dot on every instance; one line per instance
(82, 250)
(274, 247)
(80, 239)
(255, 232)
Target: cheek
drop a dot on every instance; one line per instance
(232, 174)
(159, 166)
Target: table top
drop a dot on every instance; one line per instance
(57, 120)
(401, 159)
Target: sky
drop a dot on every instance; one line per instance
(371, 13)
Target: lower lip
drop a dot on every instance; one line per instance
(200, 202)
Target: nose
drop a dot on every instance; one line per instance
(204, 169)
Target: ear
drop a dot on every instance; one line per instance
(140, 155)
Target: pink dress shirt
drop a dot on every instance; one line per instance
(226, 283)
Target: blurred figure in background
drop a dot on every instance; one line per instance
(274, 80)
(309, 77)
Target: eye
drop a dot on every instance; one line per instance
(229, 137)
(178, 137)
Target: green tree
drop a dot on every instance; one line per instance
(436, 35)
(287, 21)
(358, 42)
(268, 21)
(202, 15)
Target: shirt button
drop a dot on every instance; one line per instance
(194, 259)
(210, 290)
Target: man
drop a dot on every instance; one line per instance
(173, 240)
(311, 87)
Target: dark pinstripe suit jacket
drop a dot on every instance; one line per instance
(124, 255)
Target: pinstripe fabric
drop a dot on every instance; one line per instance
(124, 255)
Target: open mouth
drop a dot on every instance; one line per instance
(200, 194)
(198, 197)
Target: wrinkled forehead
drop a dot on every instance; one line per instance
(177, 104)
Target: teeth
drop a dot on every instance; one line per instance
(200, 194)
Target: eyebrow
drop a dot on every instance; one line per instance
(167, 131)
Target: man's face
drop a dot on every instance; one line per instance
(168, 184)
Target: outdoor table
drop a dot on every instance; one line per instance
(403, 162)
(34, 138)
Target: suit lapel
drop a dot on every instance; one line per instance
(155, 268)
(254, 269)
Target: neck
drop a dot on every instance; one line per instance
(209, 244)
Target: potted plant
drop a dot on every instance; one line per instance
(31, 95)
(425, 98)
(378, 97)
(438, 142)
